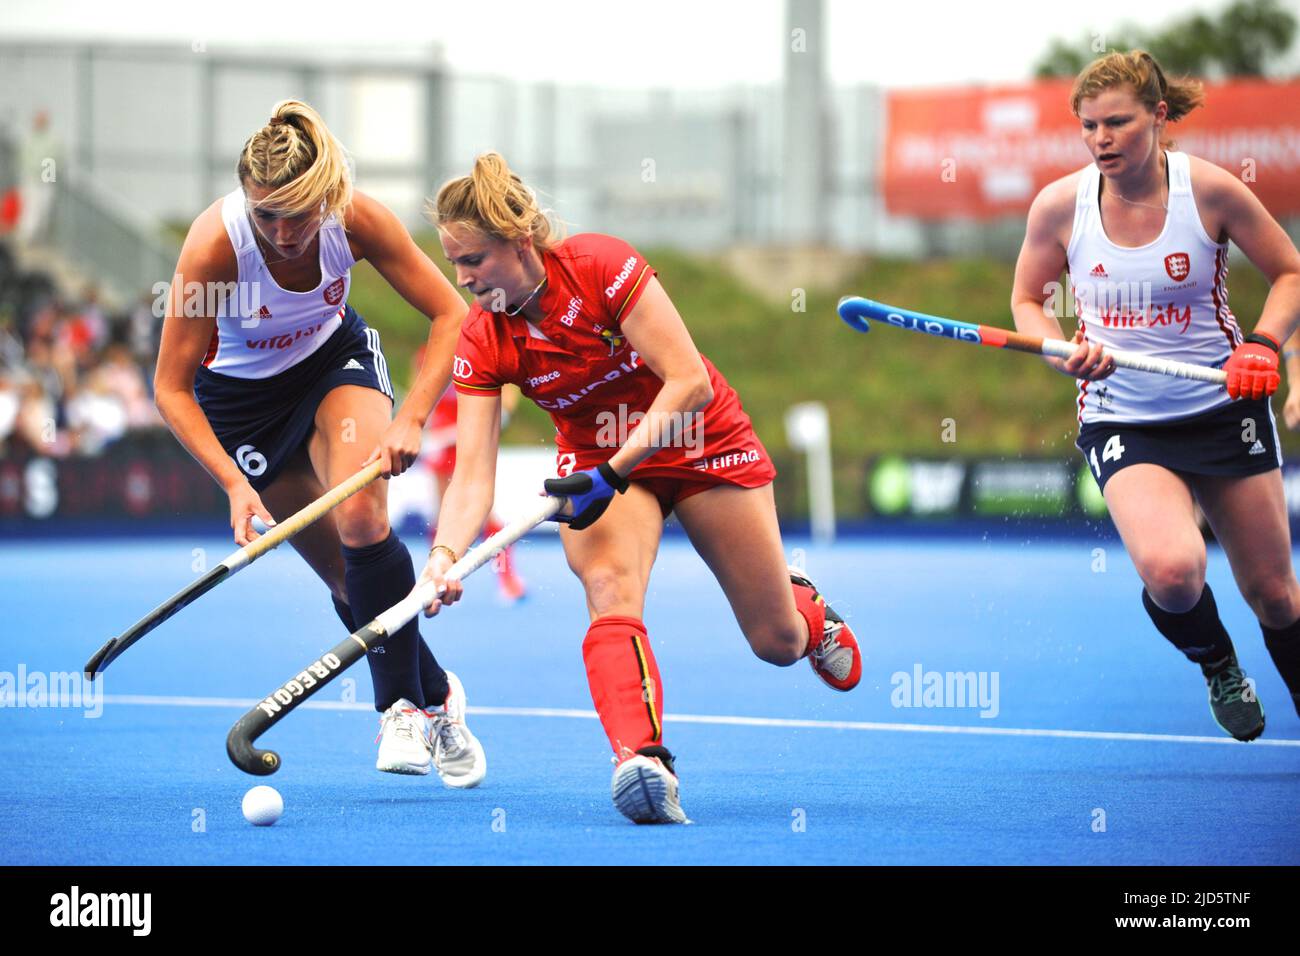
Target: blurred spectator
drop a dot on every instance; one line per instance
(36, 426)
(40, 324)
(69, 381)
(38, 160)
(53, 367)
(11, 208)
(125, 380)
(144, 329)
(10, 398)
(31, 293)
(83, 329)
(96, 416)
(11, 345)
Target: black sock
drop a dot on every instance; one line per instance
(1198, 633)
(344, 612)
(663, 754)
(1284, 647)
(377, 577)
(433, 679)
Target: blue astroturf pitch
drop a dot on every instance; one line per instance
(1086, 740)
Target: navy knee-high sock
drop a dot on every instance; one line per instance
(1198, 633)
(344, 612)
(1284, 647)
(377, 577)
(433, 679)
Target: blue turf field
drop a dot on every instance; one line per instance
(854, 783)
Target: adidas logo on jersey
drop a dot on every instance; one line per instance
(353, 363)
(1099, 272)
(1258, 448)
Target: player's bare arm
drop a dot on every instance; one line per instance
(656, 330)
(468, 501)
(206, 258)
(1039, 269)
(1242, 218)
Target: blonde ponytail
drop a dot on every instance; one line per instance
(494, 201)
(297, 156)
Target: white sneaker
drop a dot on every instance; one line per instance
(645, 790)
(457, 755)
(403, 736)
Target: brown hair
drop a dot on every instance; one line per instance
(297, 156)
(1139, 71)
(495, 201)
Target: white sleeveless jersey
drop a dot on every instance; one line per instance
(1167, 298)
(263, 329)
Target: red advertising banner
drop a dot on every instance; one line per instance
(986, 152)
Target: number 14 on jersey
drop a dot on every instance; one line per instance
(1111, 452)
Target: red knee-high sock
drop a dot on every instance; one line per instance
(812, 610)
(624, 680)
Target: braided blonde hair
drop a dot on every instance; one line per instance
(297, 156)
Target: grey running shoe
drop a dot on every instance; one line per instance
(645, 788)
(1233, 701)
(457, 755)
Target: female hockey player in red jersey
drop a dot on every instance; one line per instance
(646, 426)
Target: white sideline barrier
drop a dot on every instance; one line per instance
(521, 469)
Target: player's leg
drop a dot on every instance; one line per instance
(378, 572)
(1153, 510)
(735, 531)
(511, 585)
(295, 487)
(1249, 518)
(612, 558)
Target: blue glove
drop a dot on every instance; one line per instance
(590, 493)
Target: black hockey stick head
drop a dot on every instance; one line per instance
(242, 753)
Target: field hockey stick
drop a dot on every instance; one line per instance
(289, 695)
(283, 531)
(859, 313)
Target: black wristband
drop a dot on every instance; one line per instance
(616, 482)
(1260, 338)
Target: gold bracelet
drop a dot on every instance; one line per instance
(442, 547)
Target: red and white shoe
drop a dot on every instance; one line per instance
(645, 787)
(836, 658)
